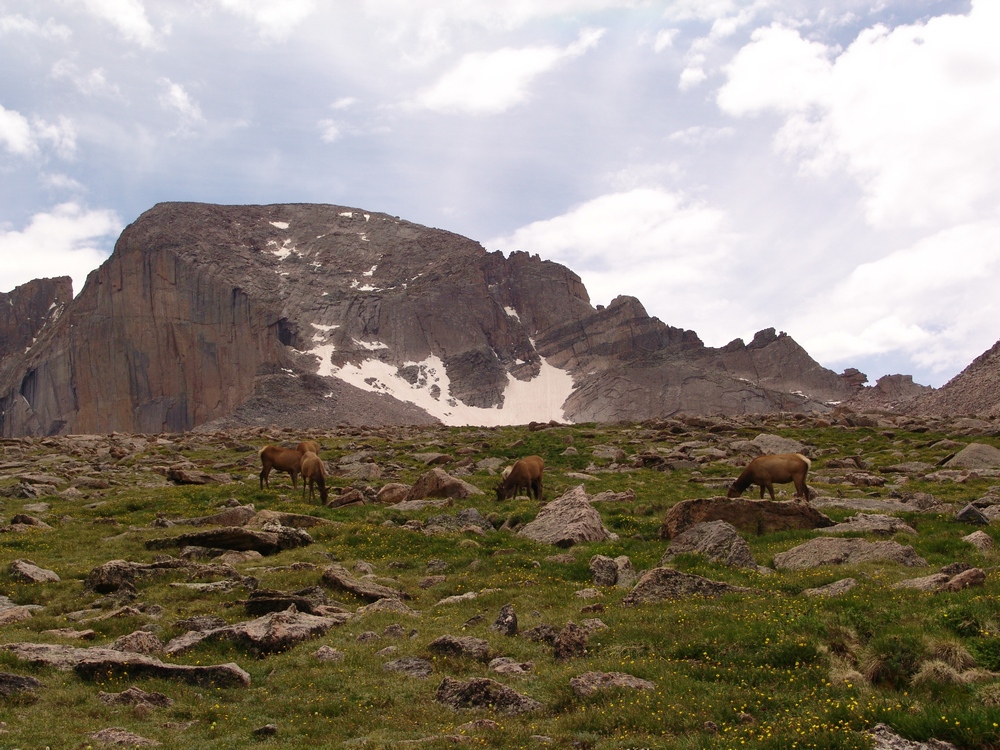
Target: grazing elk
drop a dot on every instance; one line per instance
(526, 474)
(308, 445)
(766, 470)
(313, 471)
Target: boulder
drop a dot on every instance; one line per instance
(483, 693)
(765, 443)
(117, 736)
(139, 642)
(411, 666)
(438, 483)
(133, 697)
(506, 665)
(268, 540)
(506, 622)
(971, 514)
(15, 683)
(272, 633)
(832, 589)
(569, 519)
(661, 584)
(100, 663)
(873, 523)
(571, 643)
(975, 456)
(837, 551)
(752, 516)
(392, 493)
(980, 540)
(717, 540)
(450, 645)
(28, 572)
(337, 576)
(589, 683)
(603, 571)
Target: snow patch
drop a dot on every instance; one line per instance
(355, 284)
(370, 271)
(348, 214)
(279, 224)
(285, 250)
(512, 313)
(540, 399)
(370, 345)
(323, 354)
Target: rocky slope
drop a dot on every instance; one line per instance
(310, 314)
(975, 390)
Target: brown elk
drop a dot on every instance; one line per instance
(313, 471)
(282, 459)
(766, 470)
(526, 474)
(308, 445)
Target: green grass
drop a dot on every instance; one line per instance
(771, 669)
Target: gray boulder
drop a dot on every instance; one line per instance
(569, 519)
(589, 683)
(836, 551)
(483, 693)
(975, 456)
(717, 540)
(871, 523)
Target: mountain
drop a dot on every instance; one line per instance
(25, 311)
(303, 315)
(975, 390)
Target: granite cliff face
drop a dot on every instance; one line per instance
(975, 390)
(25, 311)
(311, 315)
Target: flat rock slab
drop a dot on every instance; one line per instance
(121, 737)
(589, 683)
(483, 693)
(752, 516)
(836, 551)
(268, 540)
(272, 633)
(943, 581)
(338, 577)
(412, 666)
(870, 504)
(873, 523)
(719, 541)
(569, 519)
(662, 584)
(99, 663)
(836, 588)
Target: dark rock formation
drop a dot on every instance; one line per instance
(975, 390)
(28, 309)
(660, 584)
(221, 316)
(754, 516)
(483, 693)
(716, 540)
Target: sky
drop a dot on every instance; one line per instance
(828, 169)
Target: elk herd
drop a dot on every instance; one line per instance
(526, 473)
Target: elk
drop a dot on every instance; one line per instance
(775, 467)
(526, 474)
(313, 471)
(282, 459)
(308, 445)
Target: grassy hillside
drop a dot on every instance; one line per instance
(771, 669)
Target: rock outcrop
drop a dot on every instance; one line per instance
(222, 316)
(29, 308)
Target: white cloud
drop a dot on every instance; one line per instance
(176, 99)
(329, 131)
(24, 137)
(670, 251)
(128, 16)
(490, 83)
(691, 77)
(911, 114)
(275, 19)
(94, 81)
(69, 240)
(664, 39)
(934, 301)
(15, 132)
(17, 24)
